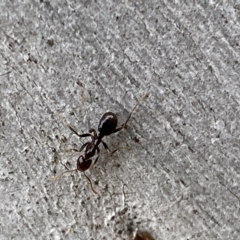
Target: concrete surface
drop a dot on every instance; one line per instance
(64, 62)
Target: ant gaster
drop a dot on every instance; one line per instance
(107, 125)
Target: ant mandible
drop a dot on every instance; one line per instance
(107, 126)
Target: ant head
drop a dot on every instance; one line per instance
(82, 164)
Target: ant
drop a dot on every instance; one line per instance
(143, 235)
(107, 126)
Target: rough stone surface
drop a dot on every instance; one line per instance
(64, 62)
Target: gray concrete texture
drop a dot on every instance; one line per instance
(68, 62)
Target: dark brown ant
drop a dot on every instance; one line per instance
(143, 235)
(107, 126)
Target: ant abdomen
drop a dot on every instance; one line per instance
(107, 123)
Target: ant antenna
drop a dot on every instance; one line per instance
(90, 183)
(138, 102)
(61, 174)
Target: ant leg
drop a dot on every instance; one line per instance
(111, 153)
(83, 146)
(124, 125)
(96, 157)
(80, 135)
(105, 145)
(79, 150)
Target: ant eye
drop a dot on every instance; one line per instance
(83, 165)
